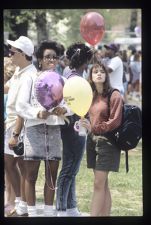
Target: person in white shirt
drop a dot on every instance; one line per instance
(42, 132)
(21, 52)
(114, 66)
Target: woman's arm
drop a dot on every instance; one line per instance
(16, 132)
(23, 103)
(115, 117)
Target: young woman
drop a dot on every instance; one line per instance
(73, 144)
(42, 133)
(102, 156)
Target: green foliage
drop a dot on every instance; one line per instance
(126, 188)
(69, 17)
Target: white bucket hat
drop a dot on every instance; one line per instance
(23, 43)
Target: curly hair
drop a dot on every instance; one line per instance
(106, 85)
(47, 45)
(78, 54)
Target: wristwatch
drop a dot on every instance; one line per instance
(15, 134)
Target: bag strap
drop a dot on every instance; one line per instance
(126, 161)
(72, 74)
(109, 97)
(126, 152)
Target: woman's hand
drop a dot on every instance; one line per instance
(86, 123)
(12, 142)
(43, 114)
(58, 111)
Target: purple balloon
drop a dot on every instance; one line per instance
(49, 89)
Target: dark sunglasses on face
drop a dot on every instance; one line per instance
(13, 52)
(49, 57)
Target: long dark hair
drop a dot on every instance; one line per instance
(106, 85)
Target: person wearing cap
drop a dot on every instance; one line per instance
(114, 66)
(21, 51)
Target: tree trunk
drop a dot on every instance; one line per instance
(133, 22)
(41, 24)
(17, 29)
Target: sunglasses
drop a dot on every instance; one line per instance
(13, 52)
(49, 57)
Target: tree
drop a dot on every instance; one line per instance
(41, 24)
(48, 23)
(16, 22)
(16, 26)
(133, 22)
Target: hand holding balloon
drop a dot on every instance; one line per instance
(80, 128)
(43, 114)
(59, 111)
(86, 123)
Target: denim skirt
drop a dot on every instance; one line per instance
(101, 154)
(43, 142)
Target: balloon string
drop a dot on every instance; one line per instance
(92, 49)
(93, 54)
(63, 117)
(48, 169)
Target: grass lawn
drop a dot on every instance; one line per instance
(126, 188)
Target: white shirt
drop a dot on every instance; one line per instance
(28, 107)
(116, 76)
(15, 85)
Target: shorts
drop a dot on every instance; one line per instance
(42, 142)
(101, 154)
(7, 150)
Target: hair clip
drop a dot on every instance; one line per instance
(92, 50)
(78, 50)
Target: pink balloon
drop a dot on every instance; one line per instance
(92, 27)
(49, 89)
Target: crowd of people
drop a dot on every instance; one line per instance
(48, 137)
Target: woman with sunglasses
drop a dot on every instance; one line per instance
(41, 127)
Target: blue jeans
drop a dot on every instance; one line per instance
(73, 149)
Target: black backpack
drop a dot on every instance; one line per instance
(128, 134)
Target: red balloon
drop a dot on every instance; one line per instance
(92, 27)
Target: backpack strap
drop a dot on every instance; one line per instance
(109, 96)
(126, 161)
(72, 74)
(126, 152)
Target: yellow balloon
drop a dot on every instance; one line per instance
(78, 95)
